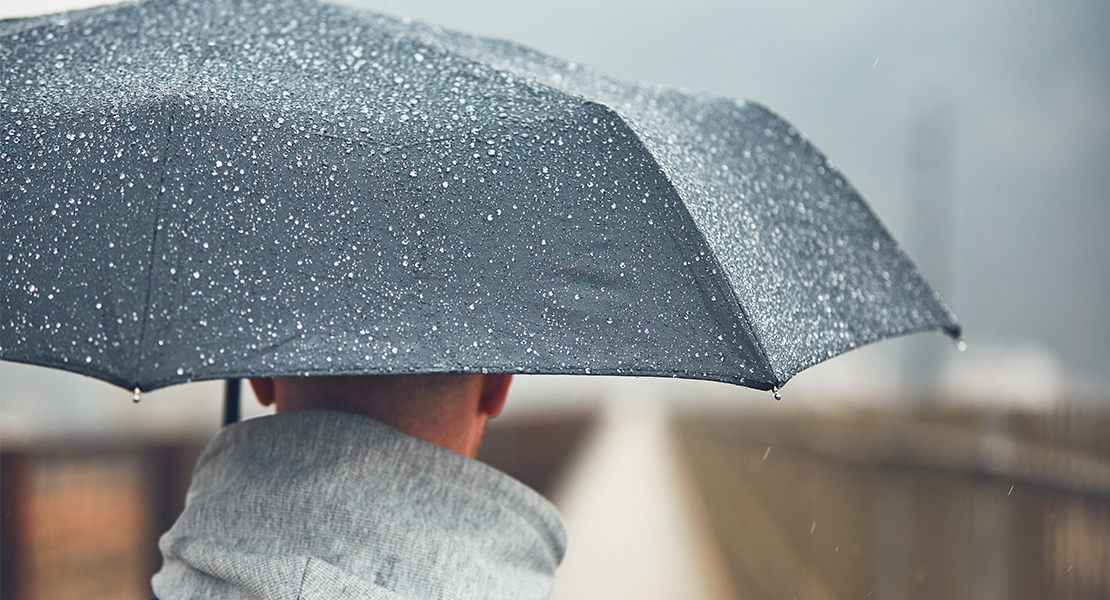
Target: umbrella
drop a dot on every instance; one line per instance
(202, 190)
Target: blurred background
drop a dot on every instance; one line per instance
(979, 131)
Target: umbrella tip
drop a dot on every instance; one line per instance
(137, 396)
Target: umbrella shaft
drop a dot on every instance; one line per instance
(231, 402)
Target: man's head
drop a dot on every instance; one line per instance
(448, 410)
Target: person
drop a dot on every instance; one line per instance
(361, 487)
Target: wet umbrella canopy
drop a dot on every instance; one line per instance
(201, 190)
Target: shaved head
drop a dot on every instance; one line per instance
(449, 410)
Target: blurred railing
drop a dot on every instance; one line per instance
(944, 504)
(81, 520)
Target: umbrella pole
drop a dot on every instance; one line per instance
(231, 402)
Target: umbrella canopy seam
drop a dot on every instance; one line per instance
(699, 242)
(174, 112)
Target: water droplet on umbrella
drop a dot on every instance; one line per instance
(961, 345)
(775, 390)
(137, 396)
(371, 90)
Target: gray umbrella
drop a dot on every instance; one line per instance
(201, 190)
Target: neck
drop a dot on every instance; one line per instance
(441, 410)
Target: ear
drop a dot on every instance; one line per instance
(263, 390)
(495, 388)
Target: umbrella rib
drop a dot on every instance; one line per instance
(164, 160)
(699, 242)
(734, 303)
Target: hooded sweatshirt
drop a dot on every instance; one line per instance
(331, 505)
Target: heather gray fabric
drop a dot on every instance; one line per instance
(333, 505)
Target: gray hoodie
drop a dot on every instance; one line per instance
(334, 505)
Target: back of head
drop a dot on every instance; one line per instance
(400, 399)
(449, 410)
